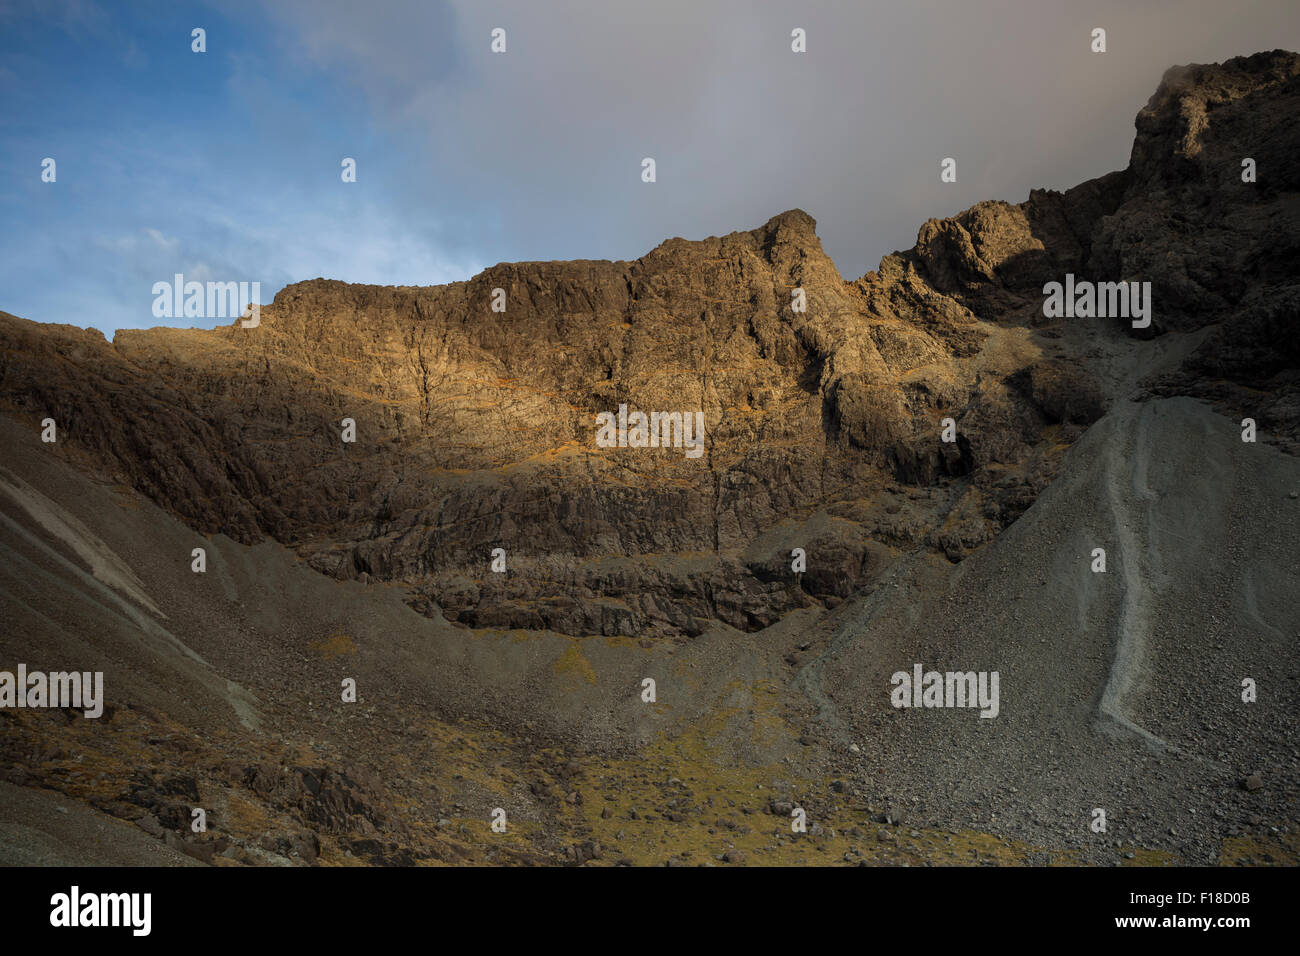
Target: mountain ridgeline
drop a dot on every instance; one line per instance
(476, 429)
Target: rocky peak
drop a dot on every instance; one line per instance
(1174, 128)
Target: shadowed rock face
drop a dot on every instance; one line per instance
(1223, 252)
(476, 429)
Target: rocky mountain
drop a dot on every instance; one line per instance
(825, 404)
(476, 428)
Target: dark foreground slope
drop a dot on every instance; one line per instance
(522, 690)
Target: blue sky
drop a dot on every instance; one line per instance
(225, 165)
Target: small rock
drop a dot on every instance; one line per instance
(203, 852)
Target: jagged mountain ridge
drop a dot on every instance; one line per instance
(1119, 690)
(476, 429)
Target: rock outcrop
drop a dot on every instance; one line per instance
(476, 429)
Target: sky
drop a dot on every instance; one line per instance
(226, 165)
